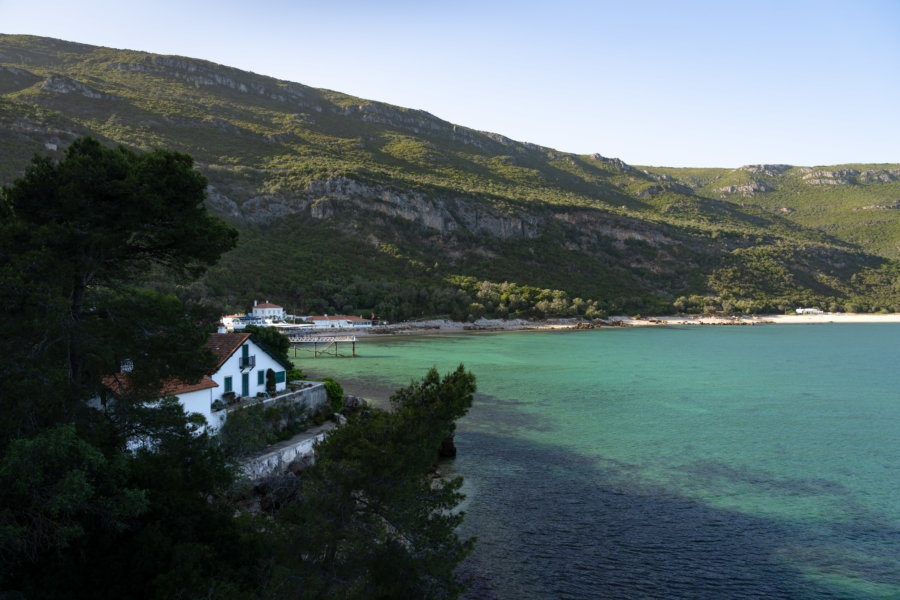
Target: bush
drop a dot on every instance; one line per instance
(270, 381)
(335, 394)
(250, 428)
(295, 374)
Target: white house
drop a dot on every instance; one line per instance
(268, 312)
(809, 311)
(241, 371)
(339, 322)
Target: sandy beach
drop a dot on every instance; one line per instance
(764, 319)
(444, 326)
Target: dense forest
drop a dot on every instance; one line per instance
(85, 512)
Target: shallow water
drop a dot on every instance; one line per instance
(683, 462)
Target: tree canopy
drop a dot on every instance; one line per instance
(78, 237)
(85, 514)
(371, 522)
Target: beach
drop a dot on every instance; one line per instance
(446, 326)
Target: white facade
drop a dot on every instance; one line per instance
(339, 322)
(246, 369)
(268, 312)
(200, 401)
(238, 323)
(241, 372)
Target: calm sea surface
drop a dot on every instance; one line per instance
(685, 462)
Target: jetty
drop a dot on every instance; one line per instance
(323, 345)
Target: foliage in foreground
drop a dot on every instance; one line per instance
(370, 521)
(86, 514)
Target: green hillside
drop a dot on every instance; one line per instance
(351, 205)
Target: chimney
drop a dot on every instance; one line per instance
(254, 302)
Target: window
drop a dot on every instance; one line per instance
(260, 377)
(279, 377)
(228, 384)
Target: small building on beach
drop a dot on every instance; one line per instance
(338, 322)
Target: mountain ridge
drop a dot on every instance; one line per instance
(448, 201)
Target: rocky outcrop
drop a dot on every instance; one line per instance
(894, 206)
(836, 177)
(60, 84)
(746, 190)
(879, 175)
(210, 74)
(676, 188)
(221, 203)
(327, 199)
(770, 170)
(444, 215)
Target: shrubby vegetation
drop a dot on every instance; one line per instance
(621, 238)
(251, 427)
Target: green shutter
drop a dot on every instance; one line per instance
(228, 384)
(279, 377)
(260, 377)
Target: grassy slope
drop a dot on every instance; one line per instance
(253, 135)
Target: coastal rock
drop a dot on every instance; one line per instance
(448, 448)
(353, 403)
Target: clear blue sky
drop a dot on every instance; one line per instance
(673, 83)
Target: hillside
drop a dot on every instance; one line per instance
(346, 204)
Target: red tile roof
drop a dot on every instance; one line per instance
(120, 383)
(266, 305)
(224, 345)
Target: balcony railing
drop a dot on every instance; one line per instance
(247, 362)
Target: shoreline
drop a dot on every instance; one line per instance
(377, 393)
(445, 326)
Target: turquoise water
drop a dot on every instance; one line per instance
(684, 462)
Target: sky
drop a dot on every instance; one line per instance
(661, 83)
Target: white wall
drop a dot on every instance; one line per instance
(231, 368)
(200, 402)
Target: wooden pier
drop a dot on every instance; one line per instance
(323, 344)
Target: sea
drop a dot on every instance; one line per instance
(686, 462)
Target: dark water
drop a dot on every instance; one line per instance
(672, 463)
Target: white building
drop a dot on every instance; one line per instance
(238, 323)
(268, 312)
(339, 322)
(809, 311)
(240, 372)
